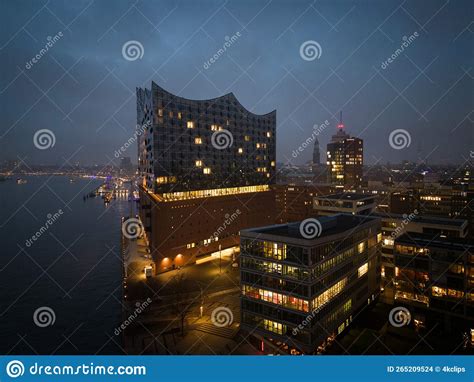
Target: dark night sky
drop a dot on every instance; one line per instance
(84, 90)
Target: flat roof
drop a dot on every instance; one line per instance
(346, 196)
(425, 219)
(329, 225)
(435, 240)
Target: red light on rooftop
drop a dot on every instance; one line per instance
(340, 126)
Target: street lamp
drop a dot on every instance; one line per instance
(220, 259)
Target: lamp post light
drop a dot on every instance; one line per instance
(220, 259)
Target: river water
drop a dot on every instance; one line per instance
(73, 269)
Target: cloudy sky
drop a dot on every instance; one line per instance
(83, 87)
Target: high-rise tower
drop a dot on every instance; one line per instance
(345, 158)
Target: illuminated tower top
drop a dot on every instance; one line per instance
(340, 134)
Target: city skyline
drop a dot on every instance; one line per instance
(83, 88)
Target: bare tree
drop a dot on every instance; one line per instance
(181, 303)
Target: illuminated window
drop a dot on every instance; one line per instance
(162, 179)
(214, 127)
(198, 140)
(274, 327)
(273, 163)
(275, 251)
(247, 138)
(361, 247)
(258, 145)
(379, 237)
(160, 112)
(206, 170)
(179, 115)
(190, 125)
(329, 294)
(362, 270)
(269, 134)
(170, 114)
(241, 150)
(198, 163)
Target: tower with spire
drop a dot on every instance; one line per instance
(345, 159)
(316, 153)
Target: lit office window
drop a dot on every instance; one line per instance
(241, 150)
(198, 163)
(362, 270)
(190, 125)
(198, 140)
(206, 170)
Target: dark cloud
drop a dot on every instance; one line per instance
(83, 89)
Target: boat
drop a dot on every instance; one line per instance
(21, 181)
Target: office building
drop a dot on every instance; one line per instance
(206, 168)
(295, 202)
(345, 159)
(395, 225)
(298, 293)
(349, 203)
(434, 278)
